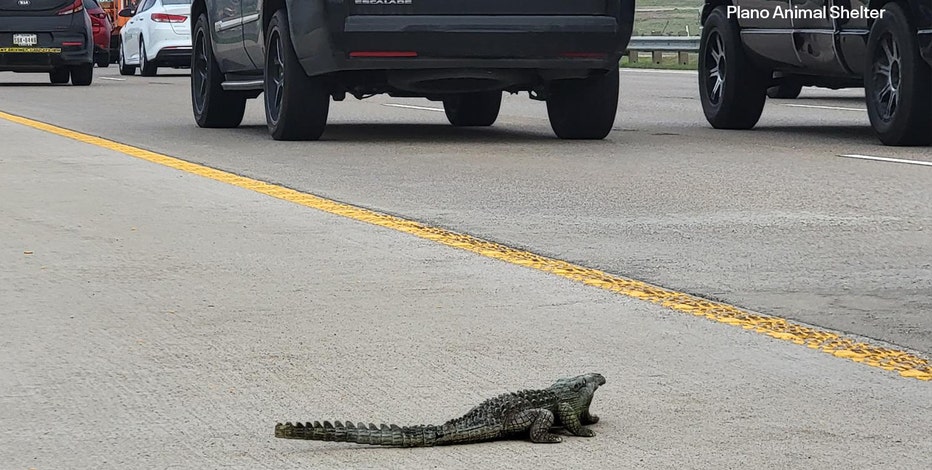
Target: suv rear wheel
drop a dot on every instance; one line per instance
(785, 92)
(296, 106)
(732, 89)
(584, 108)
(473, 109)
(60, 75)
(82, 75)
(213, 106)
(896, 82)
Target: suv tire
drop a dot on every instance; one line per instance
(213, 106)
(584, 108)
(732, 89)
(473, 109)
(896, 82)
(82, 75)
(296, 105)
(60, 75)
(785, 92)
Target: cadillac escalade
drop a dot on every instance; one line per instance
(302, 54)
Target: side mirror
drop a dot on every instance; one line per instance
(126, 13)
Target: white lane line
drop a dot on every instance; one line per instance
(408, 106)
(836, 108)
(888, 160)
(114, 79)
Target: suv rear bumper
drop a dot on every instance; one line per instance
(50, 52)
(42, 58)
(405, 42)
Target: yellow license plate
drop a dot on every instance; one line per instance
(31, 50)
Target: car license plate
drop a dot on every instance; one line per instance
(25, 40)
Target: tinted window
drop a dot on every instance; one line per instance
(147, 4)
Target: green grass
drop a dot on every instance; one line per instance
(676, 19)
(667, 23)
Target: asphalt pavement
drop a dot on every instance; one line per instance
(154, 318)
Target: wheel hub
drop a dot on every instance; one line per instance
(275, 85)
(888, 76)
(200, 72)
(716, 68)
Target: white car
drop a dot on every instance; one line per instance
(157, 35)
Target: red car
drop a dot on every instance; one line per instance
(102, 27)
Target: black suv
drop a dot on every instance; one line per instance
(465, 53)
(51, 36)
(884, 46)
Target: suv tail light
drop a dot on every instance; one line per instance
(166, 18)
(75, 7)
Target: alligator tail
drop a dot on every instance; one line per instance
(384, 435)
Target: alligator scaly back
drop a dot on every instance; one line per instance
(530, 413)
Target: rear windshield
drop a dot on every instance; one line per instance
(176, 2)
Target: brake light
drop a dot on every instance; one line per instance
(166, 18)
(75, 7)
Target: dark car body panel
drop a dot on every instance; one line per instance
(831, 50)
(52, 30)
(496, 34)
(925, 43)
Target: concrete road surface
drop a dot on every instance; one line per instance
(153, 318)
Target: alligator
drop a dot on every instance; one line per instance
(510, 415)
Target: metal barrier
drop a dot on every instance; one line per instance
(657, 45)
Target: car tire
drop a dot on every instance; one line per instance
(82, 75)
(785, 92)
(296, 105)
(896, 82)
(60, 76)
(102, 59)
(733, 90)
(213, 106)
(473, 109)
(584, 108)
(146, 67)
(126, 69)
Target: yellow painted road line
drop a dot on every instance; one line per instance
(905, 363)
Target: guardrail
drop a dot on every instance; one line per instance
(657, 45)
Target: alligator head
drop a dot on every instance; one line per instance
(578, 391)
